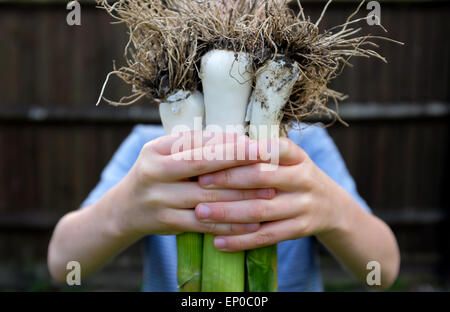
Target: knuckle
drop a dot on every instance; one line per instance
(163, 164)
(293, 177)
(304, 226)
(262, 177)
(307, 179)
(197, 165)
(148, 147)
(156, 197)
(219, 212)
(144, 173)
(263, 238)
(236, 244)
(185, 202)
(165, 218)
(306, 200)
(259, 211)
(227, 177)
(213, 228)
(209, 196)
(235, 229)
(248, 194)
(150, 170)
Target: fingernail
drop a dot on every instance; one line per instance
(203, 211)
(252, 227)
(206, 179)
(220, 243)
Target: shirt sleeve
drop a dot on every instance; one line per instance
(321, 148)
(122, 161)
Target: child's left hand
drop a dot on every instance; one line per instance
(307, 201)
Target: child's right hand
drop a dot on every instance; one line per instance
(156, 196)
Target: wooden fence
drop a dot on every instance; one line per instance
(54, 142)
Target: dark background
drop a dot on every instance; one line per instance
(54, 142)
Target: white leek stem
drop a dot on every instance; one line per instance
(184, 108)
(227, 82)
(181, 108)
(274, 83)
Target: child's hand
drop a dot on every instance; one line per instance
(156, 196)
(307, 201)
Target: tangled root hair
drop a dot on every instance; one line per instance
(169, 37)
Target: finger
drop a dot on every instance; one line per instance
(183, 141)
(291, 153)
(281, 151)
(208, 159)
(269, 234)
(251, 177)
(190, 194)
(247, 211)
(186, 221)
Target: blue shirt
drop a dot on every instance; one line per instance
(298, 266)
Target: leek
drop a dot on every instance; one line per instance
(181, 109)
(274, 83)
(227, 83)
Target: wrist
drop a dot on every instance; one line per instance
(118, 202)
(342, 206)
